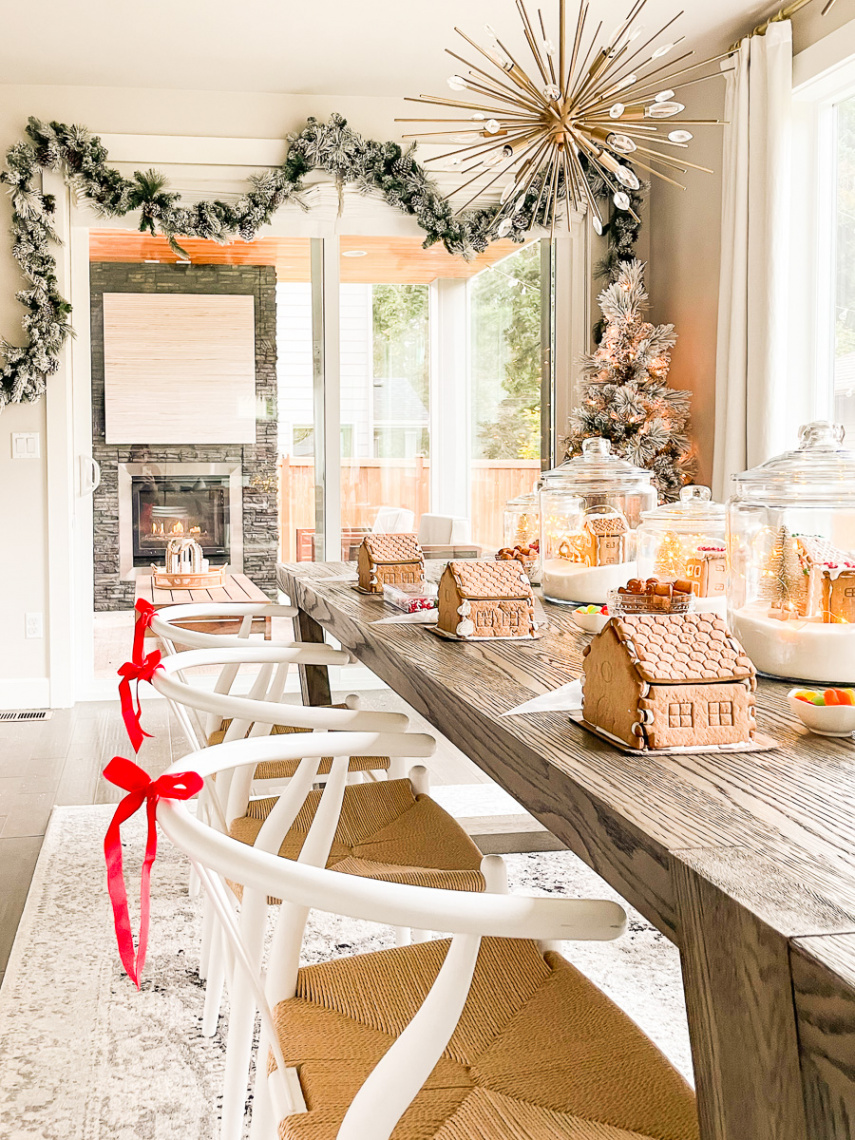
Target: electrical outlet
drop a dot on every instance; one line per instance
(34, 625)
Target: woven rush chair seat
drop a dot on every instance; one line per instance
(385, 831)
(285, 769)
(539, 1052)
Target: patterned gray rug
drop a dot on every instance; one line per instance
(84, 1056)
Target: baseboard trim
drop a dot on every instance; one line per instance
(24, 693)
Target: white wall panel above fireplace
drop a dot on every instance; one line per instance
(179, 368)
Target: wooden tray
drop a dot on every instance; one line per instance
(760, 743)
(205, 580)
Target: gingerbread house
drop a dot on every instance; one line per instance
(829, 580)
(706, 569)
(479, 599)
(658, 681)
(604, 539)
(389, 559)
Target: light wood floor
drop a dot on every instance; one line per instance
(59, 761)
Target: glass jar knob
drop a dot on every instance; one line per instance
(821, 434)
(595, 445)
(695, 494)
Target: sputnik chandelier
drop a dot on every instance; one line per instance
(585, 105)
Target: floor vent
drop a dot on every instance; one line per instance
(27, 714)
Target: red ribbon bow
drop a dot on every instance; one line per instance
(146, 612)
(135, 781)
(143, 670)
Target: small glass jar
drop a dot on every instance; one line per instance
(686, 540)
(791, 544)
(582, 566)
(522, 520)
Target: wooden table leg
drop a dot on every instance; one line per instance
(314, 679)
(742, 1023)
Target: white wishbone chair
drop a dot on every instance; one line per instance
(252, 715)
(389, 830)
(493, 1035)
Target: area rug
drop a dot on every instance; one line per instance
(84, 1056)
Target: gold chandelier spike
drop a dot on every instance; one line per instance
(574, 111)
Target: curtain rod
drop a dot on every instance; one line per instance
(785, 13)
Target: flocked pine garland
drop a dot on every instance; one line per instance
(383, 168)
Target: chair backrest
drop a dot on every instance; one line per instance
(444, 530)
(305, 883)
(257, 713)
(394, 520)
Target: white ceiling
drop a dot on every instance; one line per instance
(329, 47)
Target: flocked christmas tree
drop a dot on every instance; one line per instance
(627, 399)
(783, 582)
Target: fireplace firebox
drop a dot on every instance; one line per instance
(159, 501)
(165, 506)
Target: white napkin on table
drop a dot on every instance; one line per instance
(564, 699)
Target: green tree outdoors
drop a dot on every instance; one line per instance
(506, 314)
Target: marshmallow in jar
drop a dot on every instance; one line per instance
(589, 509)
(791, 541)
(686, 540)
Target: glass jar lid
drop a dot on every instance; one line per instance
(525, 502)
(695, 512)
(821, 471)
(596, 469)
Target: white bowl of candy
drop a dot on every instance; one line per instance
(591, 618)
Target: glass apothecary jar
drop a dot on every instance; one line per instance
(791, 541)
(582, 565)
(686, 540)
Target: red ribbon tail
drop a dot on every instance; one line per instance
(130, 715)
(146, 612)
(116, 883)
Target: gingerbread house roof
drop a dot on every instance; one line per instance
(479, 580)
(386, 549)
(605, 526)
(680, 648)
(818, 551)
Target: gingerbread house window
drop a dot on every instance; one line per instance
(849, 592)
(720, 713)
(681, 715)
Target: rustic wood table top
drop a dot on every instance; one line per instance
(237, 588)
(745, 860)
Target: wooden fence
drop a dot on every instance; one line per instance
(371, 483)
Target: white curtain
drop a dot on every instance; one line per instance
(751, 364)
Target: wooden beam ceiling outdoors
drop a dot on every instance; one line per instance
(378, 260)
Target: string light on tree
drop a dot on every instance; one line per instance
(627, 399)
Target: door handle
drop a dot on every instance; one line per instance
(90, 475)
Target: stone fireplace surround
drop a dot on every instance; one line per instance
(258, 543)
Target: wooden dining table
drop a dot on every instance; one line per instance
(745, 860)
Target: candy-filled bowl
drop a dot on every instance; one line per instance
(835, 719)
(591, 618)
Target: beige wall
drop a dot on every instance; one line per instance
(685, 252)
(23, 520)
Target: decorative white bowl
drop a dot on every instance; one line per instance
(591, 623)
(825, 720)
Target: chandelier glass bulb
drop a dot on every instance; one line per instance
(504, 227)
(457, 83)
(627, 81)
(548, 47)
(616, 110)
(508, 190)
(598, 226)
(681, 136)
(492, 127)
(663, 110)
(623, 144)
(621, 200)
(627, 177)
(663, 50)
(552, 93)
(478, 117)
(663, 97)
